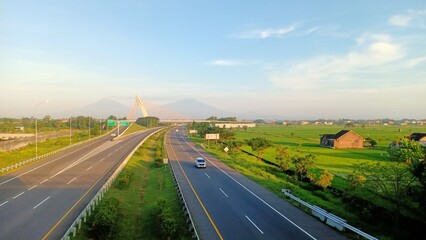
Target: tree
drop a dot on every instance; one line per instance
(324, 179)
(405, 150)
(355, 180)
(390, 179)
(414, 156)
(228, 119)
(232, 144)
(259, 145)
(212, 118)
(226, 134)
(259, 121)
(302, 165)
(204, 128)
(283, 157)
(369, 142)
(148, 122)
(411, 152)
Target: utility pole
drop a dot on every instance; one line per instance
(35, 113)
(70, 130)
(89, 127)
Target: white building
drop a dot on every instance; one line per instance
(235, 125)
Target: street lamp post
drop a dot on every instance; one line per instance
(35, 116)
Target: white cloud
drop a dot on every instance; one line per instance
(372, 51)
(231, 62)
(400, 20)
(414, 62)
(412, 18)
(312, 30)
(267, 33)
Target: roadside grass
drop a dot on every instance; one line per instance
(139, 196)
(133, 128)
(27, 152)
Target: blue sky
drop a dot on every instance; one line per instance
(280, 59)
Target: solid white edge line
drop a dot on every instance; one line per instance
(15, 197)
(41, 202)
(254, 224)
(252, 193)
(207, 175)
(71, 180)
(32, 187)
(223, 192)
(3, 203)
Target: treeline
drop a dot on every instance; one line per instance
(12, 125)
(148, 122)
(224, 119)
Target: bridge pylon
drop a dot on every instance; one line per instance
(138, 103)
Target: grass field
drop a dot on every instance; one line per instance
(306, 139)
(138, 199)
(27, 152)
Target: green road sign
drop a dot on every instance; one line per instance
(124, 123)
(111, 123)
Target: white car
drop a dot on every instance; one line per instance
(113, 135)
(200, 163)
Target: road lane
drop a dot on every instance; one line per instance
(40, 196)
(246, 210)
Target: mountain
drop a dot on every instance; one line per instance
(100, 109)
(182, 109)
(194, 109)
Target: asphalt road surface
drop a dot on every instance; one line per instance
(226, 205)
(40, 201)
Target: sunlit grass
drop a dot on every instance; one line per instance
(133, 128)
(50, 145)
(138, 199)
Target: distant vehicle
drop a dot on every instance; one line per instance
(113, 135)
(200, 163)
(177, 130)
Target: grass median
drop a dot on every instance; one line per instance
(142, 203)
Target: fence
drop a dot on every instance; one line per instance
(184, 206)
(328, 218)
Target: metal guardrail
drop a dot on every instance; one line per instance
(19, 164)
(327, 217)
(96, 199)
(185, 206)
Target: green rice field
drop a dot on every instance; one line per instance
(306, 139)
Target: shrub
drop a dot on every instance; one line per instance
(125, 179)
(167, 224)
(105, 218)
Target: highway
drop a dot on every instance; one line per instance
(227, 205)
(40, 201)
